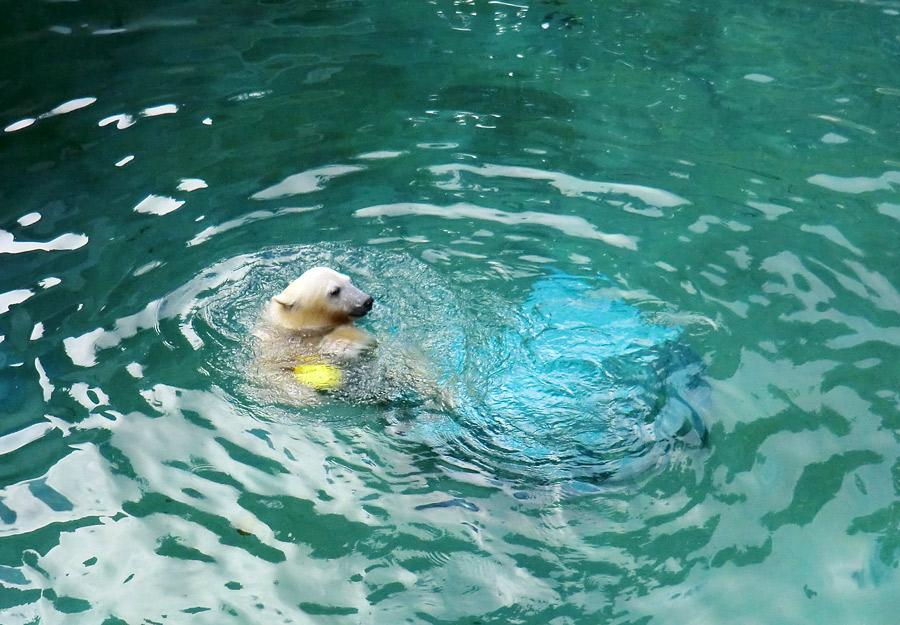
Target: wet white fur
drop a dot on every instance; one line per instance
(317, 310)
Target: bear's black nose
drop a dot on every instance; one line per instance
(367, 303)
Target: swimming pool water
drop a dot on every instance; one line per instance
(728, 172)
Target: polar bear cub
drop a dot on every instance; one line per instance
(317, 310)
(307, 343)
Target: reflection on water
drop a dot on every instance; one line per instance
(731, 168)
(68, 241)
(569, 225)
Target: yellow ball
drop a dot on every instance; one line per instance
(322, 377)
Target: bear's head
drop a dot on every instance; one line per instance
(318, 301)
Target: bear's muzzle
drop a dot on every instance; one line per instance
(363, 308)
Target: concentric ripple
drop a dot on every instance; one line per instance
(563, 385)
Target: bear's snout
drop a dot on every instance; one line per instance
(364, 307)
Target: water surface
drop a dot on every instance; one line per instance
(729, 172)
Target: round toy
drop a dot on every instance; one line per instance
(319, 376)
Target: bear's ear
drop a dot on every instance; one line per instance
(277, 299)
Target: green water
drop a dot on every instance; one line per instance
(732, 168)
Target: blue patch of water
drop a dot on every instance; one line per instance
(580, 388)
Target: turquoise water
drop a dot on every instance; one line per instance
(729, 172)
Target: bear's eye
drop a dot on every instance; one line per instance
(334, 292)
